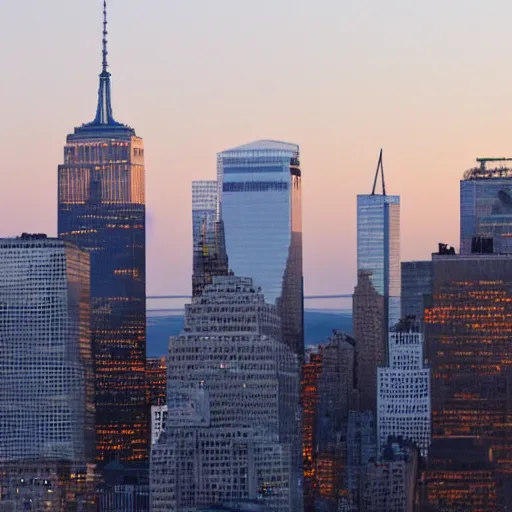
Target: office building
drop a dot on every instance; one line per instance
(403, 392)
(260, 204)
(378, 244)
(468, 332)
(389, 483)
(370, 327)
(460, 476)
(209, 248)
(335, 396)
(336, 388)
(311, 370)
(486, 204)
(158, 421)
(361, 441)
(102, 209)
(416, 277)
(232, 397)
(46, 376)
(156, 379)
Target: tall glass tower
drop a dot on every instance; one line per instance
(260, 204)
(102, 210)
(486, 204)
(378, 244)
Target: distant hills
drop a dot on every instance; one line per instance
(318, 327)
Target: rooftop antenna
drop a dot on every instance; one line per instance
(380, 167)
(105, 34)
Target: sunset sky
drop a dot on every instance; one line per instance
(430, 82)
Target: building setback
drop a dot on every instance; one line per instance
(403, 393)
(232, 395)
(101, 208)
(46, 376)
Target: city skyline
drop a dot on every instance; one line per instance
(333, 128)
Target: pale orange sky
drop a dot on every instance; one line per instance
(427, 81)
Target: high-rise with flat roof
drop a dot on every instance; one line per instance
(101, 208)
(260, 203)
(46, 375)
(486, 204)
(468, 333)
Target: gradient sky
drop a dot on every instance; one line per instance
(430, 82)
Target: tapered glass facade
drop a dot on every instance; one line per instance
(260, 204)
(102, 210)
(378, 247)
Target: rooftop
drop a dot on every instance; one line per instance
(265, 145)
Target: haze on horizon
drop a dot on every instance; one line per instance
(427, 82)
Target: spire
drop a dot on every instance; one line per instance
(380, 167)
(104, 114)
(105, 33)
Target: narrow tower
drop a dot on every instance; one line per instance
(102, 210)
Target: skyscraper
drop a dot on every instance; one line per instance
(209, 249)
(416, 280)
(311, 370)
(232, 392)
(46, 379)
(378, 244)
(336, 393)
(389, 483)
(369, 318)
(468, 332)
(486, 204)
(403, 392)
(102, 210)
(260, 204)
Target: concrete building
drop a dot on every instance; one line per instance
(389, 483)
(46, 375)
(369, 318)
(403, 393)
(232, 396)
(158, 421)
